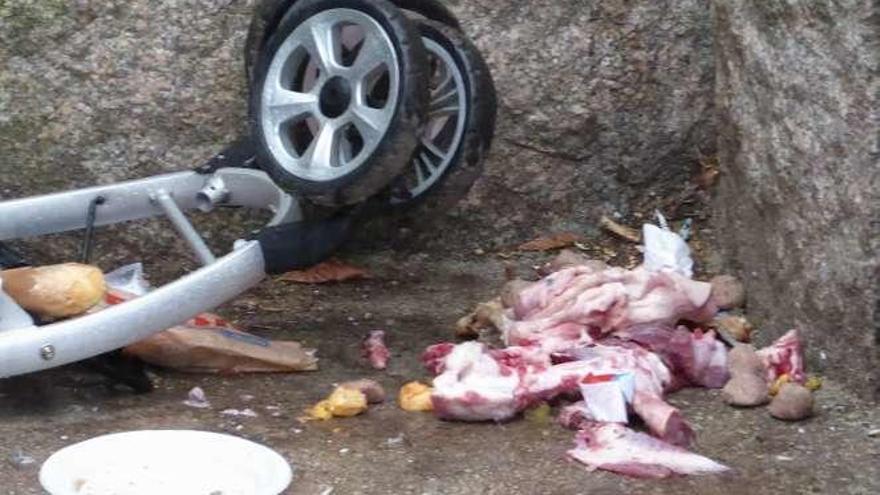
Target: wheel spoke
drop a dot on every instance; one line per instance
(286, 105)
(324, 152)
(428, 163)
(433, 149)
(370, 57)
(444, 103)
(323, 44)
(443, 111)
(369, 122)
(420, 173)
(445, 86)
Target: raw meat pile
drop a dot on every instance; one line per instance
(589, 321)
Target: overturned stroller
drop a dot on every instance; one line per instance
(360, 107)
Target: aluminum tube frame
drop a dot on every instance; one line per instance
(184, 228)
(30, 349)
(132, 200)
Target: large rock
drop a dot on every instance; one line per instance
(97, 91)
(601, 101)
(799, 202)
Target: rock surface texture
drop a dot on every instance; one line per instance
(799, 201)
(601, 101)
(100, 91)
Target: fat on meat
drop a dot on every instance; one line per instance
(605, 301)
(475, 386)
(479, 384)
(652, 379)
(616, 448)
(577, 416)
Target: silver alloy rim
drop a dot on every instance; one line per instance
(330, 95)
(444, 132)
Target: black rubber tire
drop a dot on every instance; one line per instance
(401, 138)
(479, 128)
(268, 14)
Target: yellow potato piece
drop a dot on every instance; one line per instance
(344, 402)
(415, 397)
(320, 411)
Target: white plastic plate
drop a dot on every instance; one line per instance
(154, 462)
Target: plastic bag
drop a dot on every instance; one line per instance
(206, 343)
(666, 250)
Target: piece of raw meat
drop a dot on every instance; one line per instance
(606, 301)
(575, 416)
(695, 358)
(616, 448)
(579, 324)
(652, 376)
(665, 421)
(480, 384)
(652, 379)
(559, 290)
(525, 360)
(785, 357)
(434, 357)
(375, 351)
(510, 293)
(475, 386)
(561, 338)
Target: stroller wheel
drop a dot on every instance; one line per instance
(461, 122)
(340, 95)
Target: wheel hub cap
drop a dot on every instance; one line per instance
(335, 97)
(329, 95)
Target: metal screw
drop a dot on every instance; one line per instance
(47, 352)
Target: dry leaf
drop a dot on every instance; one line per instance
(558, 241)
(624, 231)
(583, 247)
(332, 270)
(709, 172)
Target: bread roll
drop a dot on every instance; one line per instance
(56, 291)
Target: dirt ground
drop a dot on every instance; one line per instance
(416, 298)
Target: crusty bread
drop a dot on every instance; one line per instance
(56, 291)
